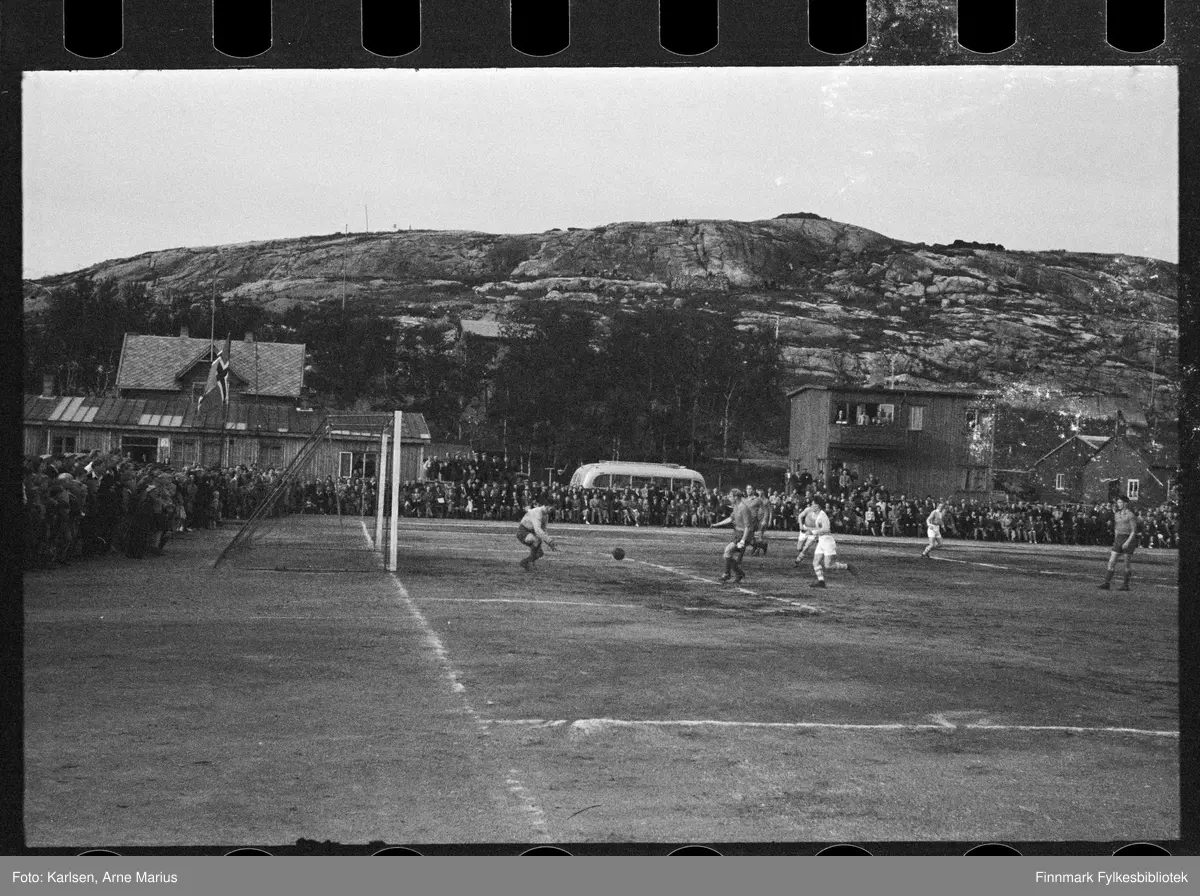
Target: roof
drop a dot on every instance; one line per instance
(180, 412)
(877, 390)
(1096, 442)
(1093, 443)
(157, 362)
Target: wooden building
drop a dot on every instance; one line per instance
(157, 414)
(916, 442)
(1096, 469)
(264, 373)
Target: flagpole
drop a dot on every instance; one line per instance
(226, 400)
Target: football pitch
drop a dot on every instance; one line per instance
(991, 693)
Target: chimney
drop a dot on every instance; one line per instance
(183, 331)
(249, 335)
(47, 385)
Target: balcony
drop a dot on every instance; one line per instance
(888, 436)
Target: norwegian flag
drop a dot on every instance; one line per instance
(218, 374)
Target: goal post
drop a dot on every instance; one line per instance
(393, 546)
(316, 514)
(380, 479)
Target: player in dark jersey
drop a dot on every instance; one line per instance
(1125, 539)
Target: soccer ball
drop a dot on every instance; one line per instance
(618, 554)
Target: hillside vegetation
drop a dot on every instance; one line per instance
(1076, 336)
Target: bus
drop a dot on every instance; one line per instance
(625, 474)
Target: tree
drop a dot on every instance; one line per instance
(442, 372)
(546, 379)
(681, 380)
(350, 353)
(79, 338)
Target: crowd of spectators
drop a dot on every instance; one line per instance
(89, 504)
(455, 491)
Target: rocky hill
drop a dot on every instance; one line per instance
(1077, 330)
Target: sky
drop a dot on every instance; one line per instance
(120, 163)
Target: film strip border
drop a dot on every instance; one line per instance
(371, 33)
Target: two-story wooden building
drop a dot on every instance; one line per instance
(156, 413)
(916, 442)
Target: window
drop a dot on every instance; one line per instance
(62, 443)
(640, 481)
(185, 451)
(841, 413)
(353, 463)
(976, 479)
(270, 454)
(1132, 487)
(868, 413)
(370, 463)
(141, 449)
(887, 413)
(916, 418)
(1060, 482)
(601, 481)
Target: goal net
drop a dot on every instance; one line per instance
(311, 518)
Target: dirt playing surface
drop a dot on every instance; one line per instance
(990, 694)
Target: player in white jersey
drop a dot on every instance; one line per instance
(933, 528)
(825, 556)
(532, 532)
(807, 539)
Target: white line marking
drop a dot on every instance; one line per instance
(350, 619)
(941, 724)
(696, 578)
(529, 600)
(528, 805)
(972, 563)
(1044, 572)
(536, 816)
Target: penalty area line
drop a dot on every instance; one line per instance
(695, 578)
(527, 600)
(589, 725)
(1041, 572)
(524, 801)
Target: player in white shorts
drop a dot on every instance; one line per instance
(531, 532)
(807, 539)
(824, 557)
(933, 528)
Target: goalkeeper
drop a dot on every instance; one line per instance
(531, 532)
